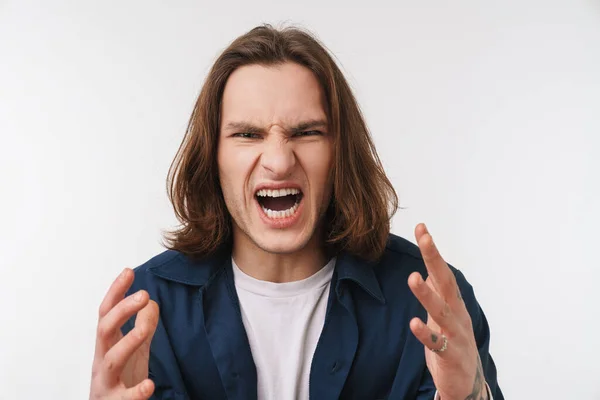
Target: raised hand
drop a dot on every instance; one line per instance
(120, 367)
(450, 347)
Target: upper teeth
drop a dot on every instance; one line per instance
(277, 192)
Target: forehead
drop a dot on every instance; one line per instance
(283, 94)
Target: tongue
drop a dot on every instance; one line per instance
(278, 203)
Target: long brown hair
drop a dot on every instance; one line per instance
(363, 199)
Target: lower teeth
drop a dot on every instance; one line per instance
(280, 214)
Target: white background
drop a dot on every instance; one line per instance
(486, 116)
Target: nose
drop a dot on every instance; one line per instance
(278, 156)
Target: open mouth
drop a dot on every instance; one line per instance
(279, 203)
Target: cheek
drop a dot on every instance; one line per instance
(235, 168)
(230, 188)
(318, 163)
(227, 172)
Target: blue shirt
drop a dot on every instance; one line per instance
(366, 349)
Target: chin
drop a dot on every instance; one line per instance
(281, 243)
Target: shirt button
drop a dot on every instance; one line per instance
(336, 367)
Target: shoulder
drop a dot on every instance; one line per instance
(400, 259)
(147, 274)
(161, 259)
(404, 257)
(158, 261)
(173, 267)
(400, 248)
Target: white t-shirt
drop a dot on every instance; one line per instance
(283, 322)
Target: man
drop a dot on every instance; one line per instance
(283, 281)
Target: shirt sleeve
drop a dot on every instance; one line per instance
(487, 387)
(482, 338)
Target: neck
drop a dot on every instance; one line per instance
(279, 267)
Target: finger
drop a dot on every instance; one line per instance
(113, 296)
(420, 232)
(430, 339)
(109, 327)
(436, 307)
(141, 391)
(116, 292)
(116, 358)
(148, 316)
(443, 279)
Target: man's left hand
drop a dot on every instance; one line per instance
(450, 347)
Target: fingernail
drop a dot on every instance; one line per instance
(138, 296)
(124, 273)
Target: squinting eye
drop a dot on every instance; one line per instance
(247, 135)
(309, 133)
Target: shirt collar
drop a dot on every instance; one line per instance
(178, 267)
(175, 266)
(362, 272)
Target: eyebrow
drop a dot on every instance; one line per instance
(247, 127)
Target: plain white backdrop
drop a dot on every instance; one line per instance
(486, 116)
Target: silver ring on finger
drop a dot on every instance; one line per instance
(444, 345)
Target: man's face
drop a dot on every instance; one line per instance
(275, 156)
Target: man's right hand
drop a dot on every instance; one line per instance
(120, 368)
